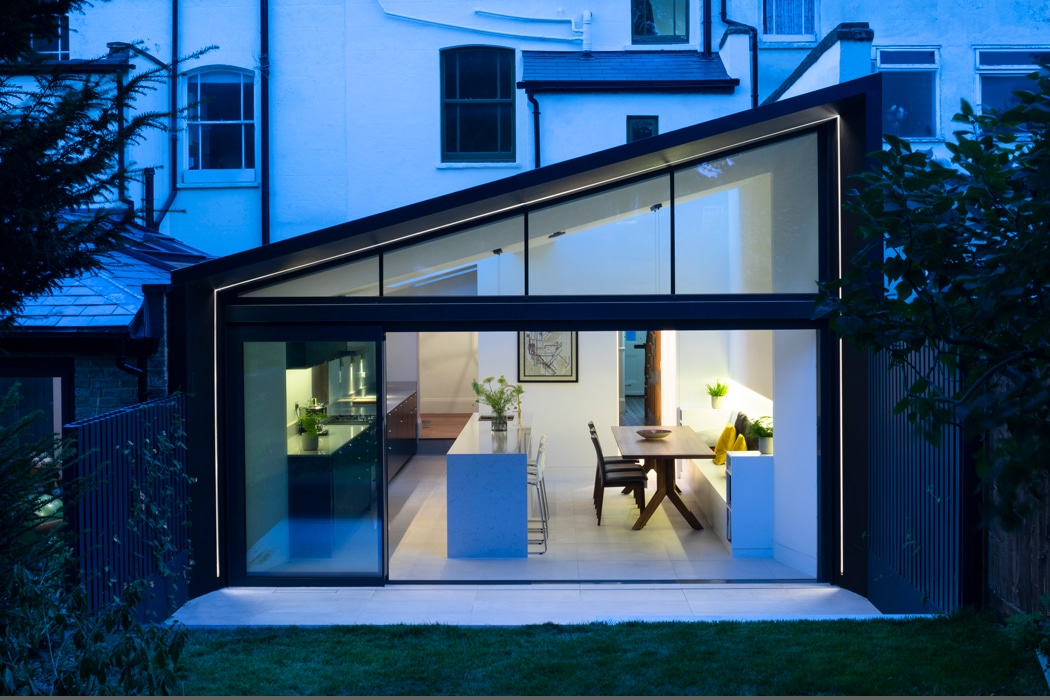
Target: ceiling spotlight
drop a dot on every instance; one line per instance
(556, 234)
(497, 251)
(656, 207)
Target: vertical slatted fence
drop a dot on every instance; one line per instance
(117, 457)
(916, 502)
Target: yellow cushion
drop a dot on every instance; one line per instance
(725, 441)
(740, 445)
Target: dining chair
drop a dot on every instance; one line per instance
(624, 475)
(538, 527)
(613, 464)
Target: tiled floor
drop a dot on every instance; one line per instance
(667, 571)
(666, 550)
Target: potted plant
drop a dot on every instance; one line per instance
(308, 432)
(762, 428)
(499, 397)
(717, 392)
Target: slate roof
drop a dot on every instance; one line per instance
(643, 70)
(109, 299)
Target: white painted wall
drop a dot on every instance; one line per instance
(355, 101)
(561, 410)
(448, 363)
(402, 357)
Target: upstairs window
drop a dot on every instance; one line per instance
(221, 127)
(1000, 72)
(477, 105)
(659, 21)
(639, 128)
(54, 45)
(789, 19)
(909, 92)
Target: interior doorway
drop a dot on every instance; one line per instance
(632, 377)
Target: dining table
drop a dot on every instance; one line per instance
(681, 442)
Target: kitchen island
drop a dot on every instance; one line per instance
(487, 490)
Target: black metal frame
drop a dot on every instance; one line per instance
(846, 118)
(234, 457)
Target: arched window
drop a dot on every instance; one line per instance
(477, 104)
(220, 142)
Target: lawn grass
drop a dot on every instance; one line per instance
(964, 654)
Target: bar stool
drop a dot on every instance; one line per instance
(538, 527)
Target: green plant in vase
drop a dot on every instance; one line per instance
(308, 431)
(717, 392)
(499, 395)
(762, 428)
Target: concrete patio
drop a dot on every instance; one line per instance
(497, 604)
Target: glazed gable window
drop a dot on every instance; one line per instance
(220, 127)
(477, 105)
(659, 21)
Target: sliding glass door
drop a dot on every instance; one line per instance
(307, 476)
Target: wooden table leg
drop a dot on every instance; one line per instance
(673, 496)
(654, 501)
(665, 486)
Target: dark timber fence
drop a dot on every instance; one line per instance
(129, 523)
(921, 521)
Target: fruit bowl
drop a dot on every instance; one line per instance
(653, 433)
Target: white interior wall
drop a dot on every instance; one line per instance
(795, 451)
(402, 357)
(298, 388)
(561, 409)
(449, 361)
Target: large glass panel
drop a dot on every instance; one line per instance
(748, 223)
(311, 498)
(616, 242)
(486, 260)
(356, 279)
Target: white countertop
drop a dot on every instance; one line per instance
(478, 437)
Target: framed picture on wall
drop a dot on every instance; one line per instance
(547, 356)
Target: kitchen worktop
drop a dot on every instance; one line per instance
(338, 436)
(397, 392)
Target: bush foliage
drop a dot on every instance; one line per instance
(955, 260)
(52, 644)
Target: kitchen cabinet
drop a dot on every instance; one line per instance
(401, 433)
(328, 490)
(302, 355)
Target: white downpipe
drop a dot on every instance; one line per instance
(493, 32)
(586, 31)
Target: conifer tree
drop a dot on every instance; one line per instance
(63, 126)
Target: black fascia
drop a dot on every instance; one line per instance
(720, 87)
(692, 312)
(530, 187)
